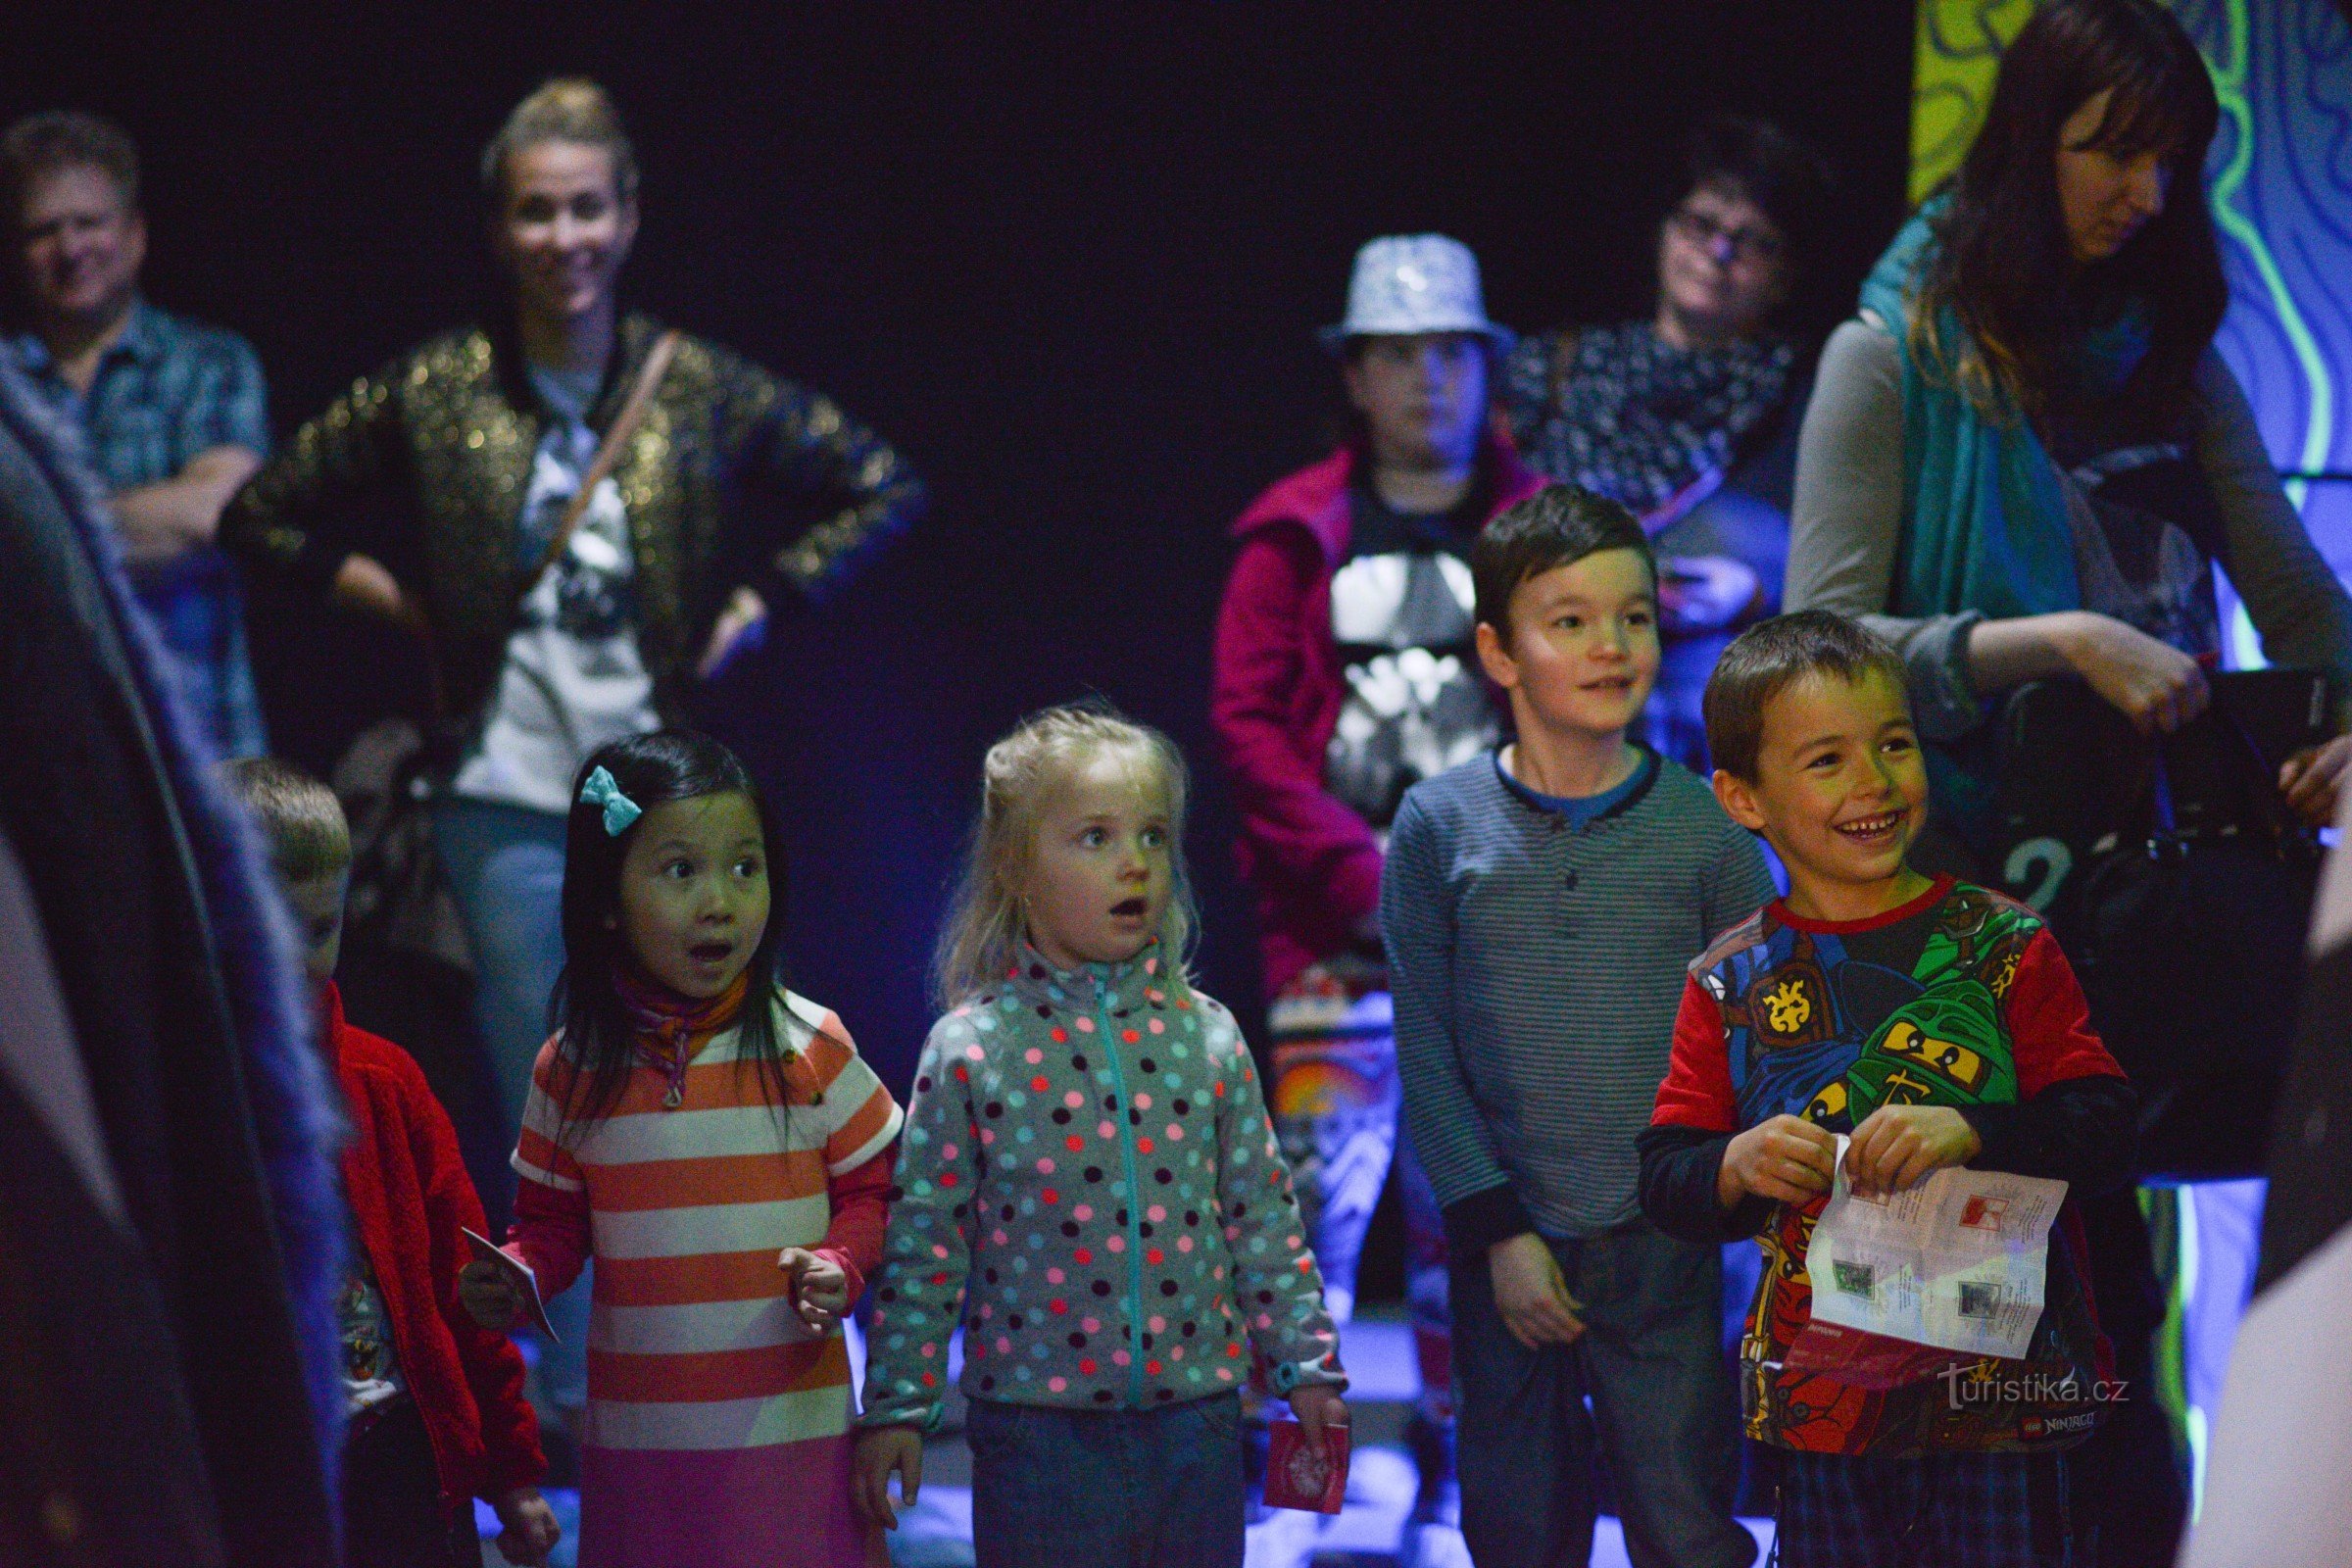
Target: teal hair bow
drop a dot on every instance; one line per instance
(599, 789)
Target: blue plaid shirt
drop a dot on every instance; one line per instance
(165, 391)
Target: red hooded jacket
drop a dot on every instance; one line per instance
(409, 1196)
(1275, 694)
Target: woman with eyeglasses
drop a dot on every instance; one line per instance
(1687, 417)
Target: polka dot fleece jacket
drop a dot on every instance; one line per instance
(1088, 1152)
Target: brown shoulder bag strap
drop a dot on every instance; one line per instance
(607, 453)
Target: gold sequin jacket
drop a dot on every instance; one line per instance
(734, 477)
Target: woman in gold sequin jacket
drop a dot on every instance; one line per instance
(735, 489)
(738, 485)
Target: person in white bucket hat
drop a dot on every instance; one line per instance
(1345, 673)
(1408, 284)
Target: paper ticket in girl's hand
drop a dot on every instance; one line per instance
(517, 1274)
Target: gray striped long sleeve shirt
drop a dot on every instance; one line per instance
(1536, 966)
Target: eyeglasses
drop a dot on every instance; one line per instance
(1744, 244)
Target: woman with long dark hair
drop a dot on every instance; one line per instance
(2020, 463)
(2022, 455)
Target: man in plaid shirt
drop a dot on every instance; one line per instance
(170, 410)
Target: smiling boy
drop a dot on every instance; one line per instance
(1540, 905)
(1936, 1023)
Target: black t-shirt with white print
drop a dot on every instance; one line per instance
(1401, 613)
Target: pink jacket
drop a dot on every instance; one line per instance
(1275, 694)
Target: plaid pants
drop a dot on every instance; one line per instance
(1935, 1510)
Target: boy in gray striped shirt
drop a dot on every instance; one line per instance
(1540, 907)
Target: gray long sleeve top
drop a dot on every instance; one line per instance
(1846, 530)
(1536, 965)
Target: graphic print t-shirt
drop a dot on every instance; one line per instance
(371, 1377)
(573, 678)
(1960, 998)
(1401, 613)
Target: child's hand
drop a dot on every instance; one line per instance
(1529, 1293)
(489, 1298)
(879, 1451)
(820, 1287)
(1898, 1146)
(529, 1530)
(1319, 1410)
(1787, 1158)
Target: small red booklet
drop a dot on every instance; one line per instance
(519, 1274)
(1296, 1477)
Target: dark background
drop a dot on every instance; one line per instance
(1068, 259)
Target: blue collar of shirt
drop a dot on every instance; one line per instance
(1583, 810)
(141, 340)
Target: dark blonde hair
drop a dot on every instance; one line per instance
(1022, 773)
(562, 109)
(300, 816)
(1771, 656)
(65, 138)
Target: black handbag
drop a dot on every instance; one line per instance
(2179, 886)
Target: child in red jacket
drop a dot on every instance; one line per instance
(437, 1416)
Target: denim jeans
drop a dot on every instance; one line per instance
(505, 868)
(1108, 1489)
(1650, 1361)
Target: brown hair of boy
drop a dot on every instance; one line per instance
(298, 815)
(1559, 526)
(1771, 656)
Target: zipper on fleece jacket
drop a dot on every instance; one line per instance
(1135, 1199)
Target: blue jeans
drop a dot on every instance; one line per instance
(1106, 1488)
(1650, 1361)
(505, 868)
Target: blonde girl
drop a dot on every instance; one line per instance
(1091, 1186)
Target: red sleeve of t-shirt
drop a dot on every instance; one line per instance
(2050, 1022)
(1698, 1091)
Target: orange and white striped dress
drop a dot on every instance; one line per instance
(717, 1423)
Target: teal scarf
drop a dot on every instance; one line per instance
(1985, 524)
(1984, 519)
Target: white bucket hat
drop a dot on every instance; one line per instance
(1407, 284)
